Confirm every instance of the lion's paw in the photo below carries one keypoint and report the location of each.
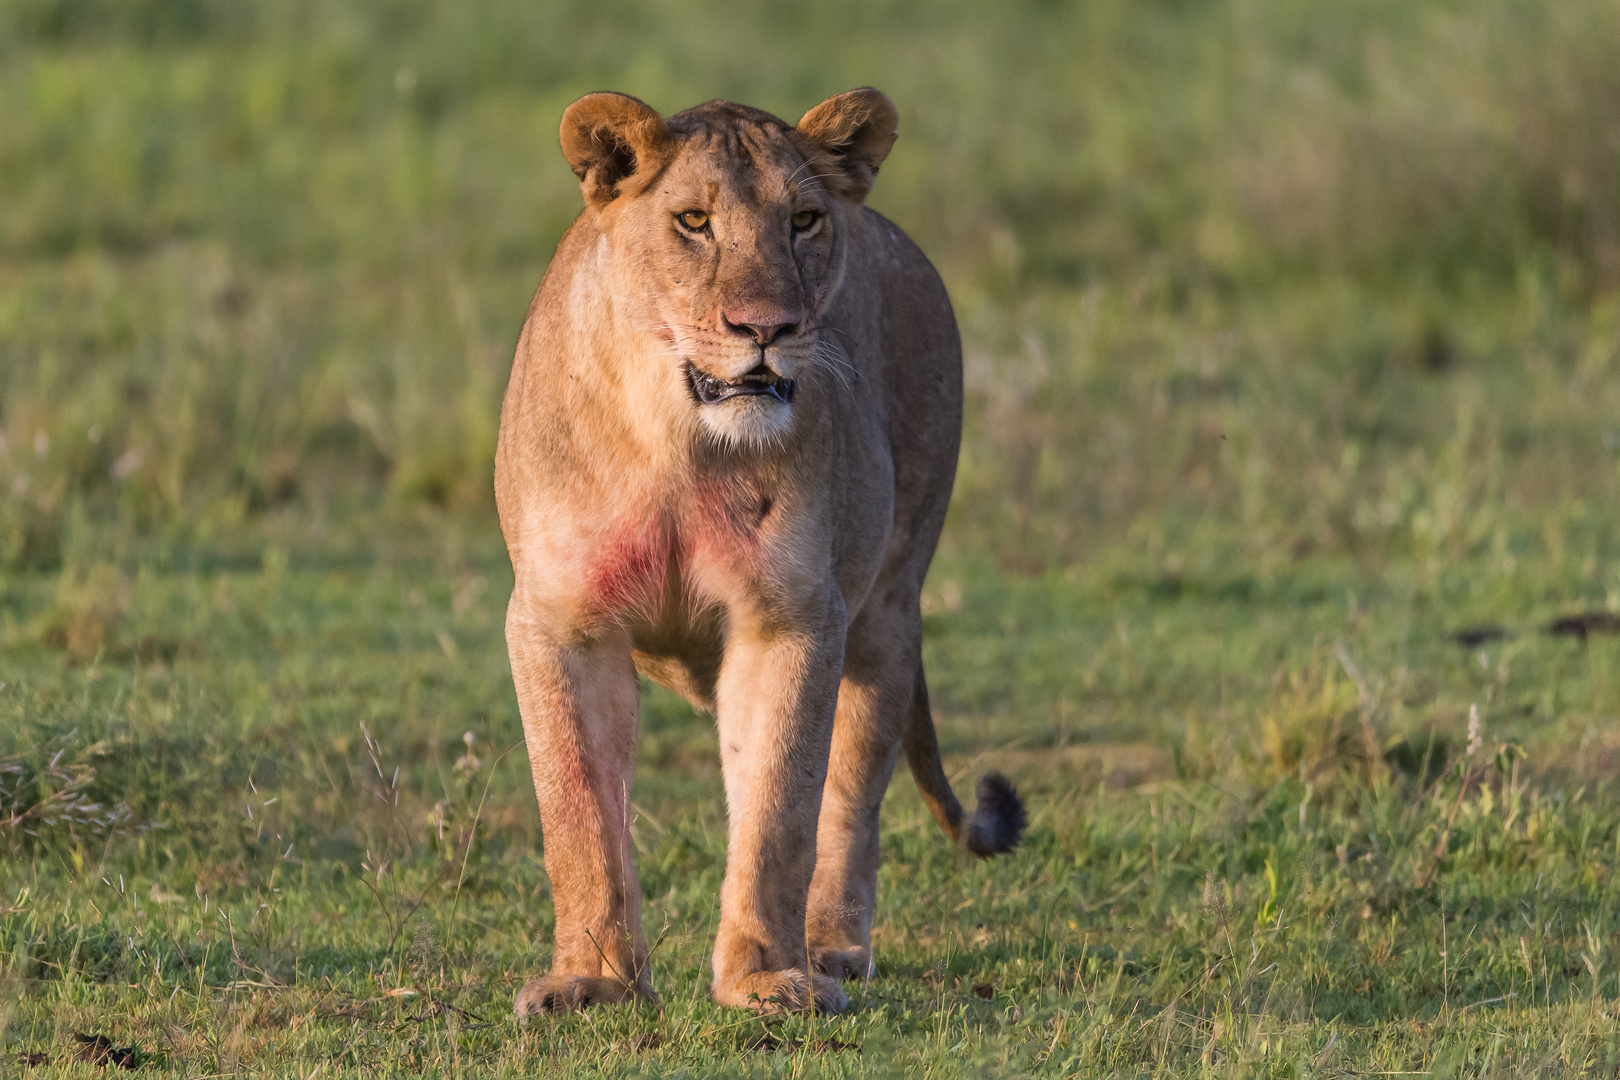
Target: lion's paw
(555, 995)
(838, 964)
(783, 991)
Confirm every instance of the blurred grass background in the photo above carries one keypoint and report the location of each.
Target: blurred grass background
(1293, 346)
(1239, 281)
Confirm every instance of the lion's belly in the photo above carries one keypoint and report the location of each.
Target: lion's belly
(691, 668)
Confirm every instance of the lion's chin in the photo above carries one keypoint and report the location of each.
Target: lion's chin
(752, 421)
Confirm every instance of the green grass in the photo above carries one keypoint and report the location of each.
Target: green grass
(1216, 878)
(1293, 348)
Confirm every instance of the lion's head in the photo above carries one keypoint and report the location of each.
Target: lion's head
(726, 233)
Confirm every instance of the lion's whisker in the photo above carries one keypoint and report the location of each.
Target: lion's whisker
(803, 165)
(823, 357)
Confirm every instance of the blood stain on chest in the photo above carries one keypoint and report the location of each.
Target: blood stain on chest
(632, 572)
(643, 565)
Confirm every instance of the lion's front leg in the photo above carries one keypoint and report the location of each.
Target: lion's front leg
(579, 707)
(776, 695)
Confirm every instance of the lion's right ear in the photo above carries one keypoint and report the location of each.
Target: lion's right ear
(609, 138)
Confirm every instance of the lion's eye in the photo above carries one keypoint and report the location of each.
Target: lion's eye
(804, 219)
(693, 219)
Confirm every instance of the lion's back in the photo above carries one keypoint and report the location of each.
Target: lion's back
(921, 353)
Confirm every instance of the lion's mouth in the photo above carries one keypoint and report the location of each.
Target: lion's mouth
(760, 382)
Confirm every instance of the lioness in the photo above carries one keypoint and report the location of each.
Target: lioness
(725, 455)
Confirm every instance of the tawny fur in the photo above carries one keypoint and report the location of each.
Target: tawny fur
(762, 558)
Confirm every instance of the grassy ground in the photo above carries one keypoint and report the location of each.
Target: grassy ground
(1292, 353)
(308, 862)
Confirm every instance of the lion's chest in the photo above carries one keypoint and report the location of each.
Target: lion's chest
(659, 561)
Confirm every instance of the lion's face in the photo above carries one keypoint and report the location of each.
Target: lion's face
(733, 252)
(726, 235)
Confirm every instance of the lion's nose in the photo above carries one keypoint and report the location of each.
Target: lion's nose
(763, 330)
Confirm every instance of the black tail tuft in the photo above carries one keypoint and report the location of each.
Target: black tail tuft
(999, 819)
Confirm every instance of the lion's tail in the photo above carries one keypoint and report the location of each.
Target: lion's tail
(998, 821)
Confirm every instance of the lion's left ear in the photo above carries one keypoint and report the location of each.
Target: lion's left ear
(856, 129)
